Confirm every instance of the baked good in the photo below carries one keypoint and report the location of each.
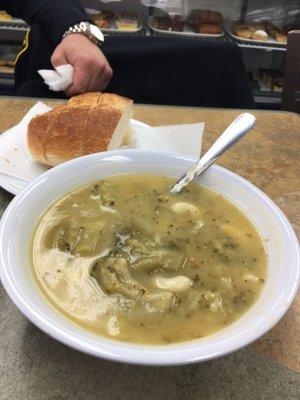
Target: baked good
(173, 23)
(271, 28)
(177, 23)
(205, 21)
(4, 16)
(103, 19)
(277, 85)
(88, 123)
(127, 21)
(243, 32)
(198, 17)
(250, 31)
(7, 66)
(280, 37)
(162, 23)
(260, 35)
(275, 32)
(210, 29)
(102, 23)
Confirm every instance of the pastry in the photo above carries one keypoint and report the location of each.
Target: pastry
(203, 17)
(280, 37)
(4, 16)
(103, 19)
(260, 35)
(277, 85)
(211, 29)
(102, 23)
(127, 21)
(88, 123)
(177, 23)
(243, 32)
(198, 17)
(250, 31)
(275, 32)
(162, 23)
(7, 66)
(168, 23)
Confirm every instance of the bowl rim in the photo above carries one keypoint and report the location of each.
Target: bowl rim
(109, 349)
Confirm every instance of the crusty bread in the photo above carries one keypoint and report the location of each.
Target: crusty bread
(88, 123)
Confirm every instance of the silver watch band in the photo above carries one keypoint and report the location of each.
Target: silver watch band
(92, 32)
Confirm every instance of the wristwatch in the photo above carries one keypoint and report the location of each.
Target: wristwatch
(91, 31)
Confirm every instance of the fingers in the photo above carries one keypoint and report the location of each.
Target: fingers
(101, 77)
(58, 57)
(81, 77)
(89, 76)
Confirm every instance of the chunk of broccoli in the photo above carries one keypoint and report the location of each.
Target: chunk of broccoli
(67, 236)
(104, 192)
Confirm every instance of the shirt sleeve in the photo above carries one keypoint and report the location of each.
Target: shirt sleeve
(55, 16)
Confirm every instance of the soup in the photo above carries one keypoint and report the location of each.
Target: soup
(126, 259)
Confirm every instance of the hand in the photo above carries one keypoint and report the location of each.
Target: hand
(92, 71)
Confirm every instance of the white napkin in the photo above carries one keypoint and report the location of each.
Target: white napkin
(15, 160)
(58, 79)
(184, 139)
(37, 109)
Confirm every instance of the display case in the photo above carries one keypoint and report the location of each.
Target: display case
(258, 27)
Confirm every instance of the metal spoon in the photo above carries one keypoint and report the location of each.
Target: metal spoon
(236, 130)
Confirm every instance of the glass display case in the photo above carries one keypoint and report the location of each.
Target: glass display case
(258, 27)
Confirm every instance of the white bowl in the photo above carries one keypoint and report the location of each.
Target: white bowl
(22, 214)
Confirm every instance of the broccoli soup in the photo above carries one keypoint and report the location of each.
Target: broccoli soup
(126, 259)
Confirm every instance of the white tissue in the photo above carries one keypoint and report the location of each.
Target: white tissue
(184, 139)
(58, 79)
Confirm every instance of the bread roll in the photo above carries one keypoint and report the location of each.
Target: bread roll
(88, 123)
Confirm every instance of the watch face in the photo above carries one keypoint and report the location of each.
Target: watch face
(97, 33)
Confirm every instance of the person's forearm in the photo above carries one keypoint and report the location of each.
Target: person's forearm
(54, 15)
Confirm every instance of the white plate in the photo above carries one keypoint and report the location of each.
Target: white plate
(17, 167)
(21, 216)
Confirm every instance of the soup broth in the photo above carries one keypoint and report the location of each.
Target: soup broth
(126, 259)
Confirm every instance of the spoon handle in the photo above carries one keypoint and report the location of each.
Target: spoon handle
(235, 131)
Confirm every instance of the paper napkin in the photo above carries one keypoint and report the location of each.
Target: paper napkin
(59, 78)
